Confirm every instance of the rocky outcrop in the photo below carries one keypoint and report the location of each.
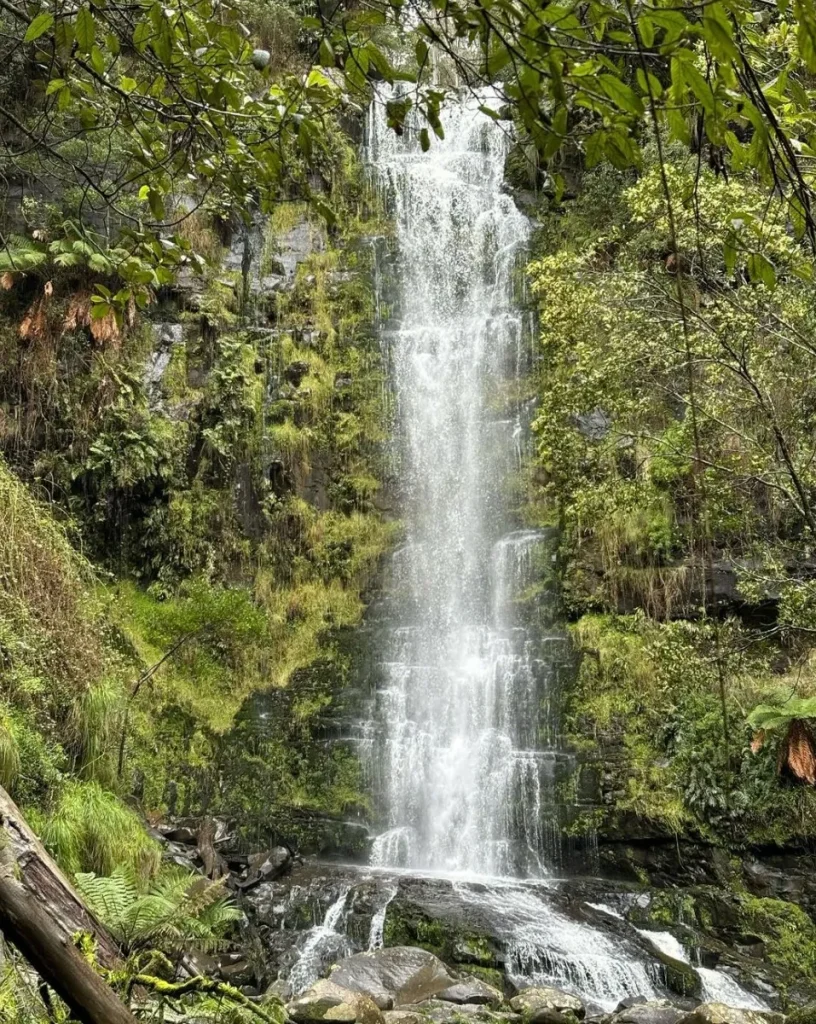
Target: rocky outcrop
(653, 1011)
(719, 1013)
(394, 977)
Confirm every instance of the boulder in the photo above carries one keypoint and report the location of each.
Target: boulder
(403, 1017)
(393, 977)
(719, 1013)
(327, 1001)
(657, 1011)
(267, 866)
(473, 992)
(678, 977)
(547, 1005)
(437, 1011)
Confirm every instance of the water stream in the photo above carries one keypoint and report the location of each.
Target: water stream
(461, 745)
(458, 719)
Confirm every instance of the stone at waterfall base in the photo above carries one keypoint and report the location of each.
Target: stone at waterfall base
(404, 1017)
(547, 1005)
(473, 992)
(719, 1013)
(326, 1001)
(652, 1011)
(393, 977)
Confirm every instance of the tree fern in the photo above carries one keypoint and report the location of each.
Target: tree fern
(179, 911)
(796, 717)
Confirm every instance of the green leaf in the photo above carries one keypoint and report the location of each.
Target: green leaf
(621, 94)
(762, 270)
(327, 57)
(54, 86)
(647, 30)
(97, 60)
(39, 26)
(85, 29)
(127, 84)
(425, 140)
(719, 34)
(141, 35)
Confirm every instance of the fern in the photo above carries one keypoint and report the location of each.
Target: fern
(21, 255)
(178, 911)
(109, 897)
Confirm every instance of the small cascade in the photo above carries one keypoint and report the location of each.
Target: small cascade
(324, 943)
(546, 947)
(375, 934)
(718, 987)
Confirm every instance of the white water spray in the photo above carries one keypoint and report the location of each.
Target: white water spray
(462, 775)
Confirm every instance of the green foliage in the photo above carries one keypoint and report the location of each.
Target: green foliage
(596, 80)
(649, 693)
(100, 80)
(776, 716)
(91, 830)
(177, 912)
(223, 640)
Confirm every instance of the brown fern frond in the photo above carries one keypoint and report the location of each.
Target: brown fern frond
(78, 313)
(33, 325)
(758, 742)
(105, 329)
(801, 754)
(6, 281)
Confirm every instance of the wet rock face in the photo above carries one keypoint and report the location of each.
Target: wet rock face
(393, 977)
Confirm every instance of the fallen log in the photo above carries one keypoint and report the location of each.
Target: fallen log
(41, 914)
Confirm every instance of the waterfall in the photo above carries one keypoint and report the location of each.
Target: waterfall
(458, 715)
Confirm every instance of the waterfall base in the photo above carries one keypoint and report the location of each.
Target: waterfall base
(570, 933)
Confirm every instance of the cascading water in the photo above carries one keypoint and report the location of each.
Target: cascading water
(458, 719)
(461, 743)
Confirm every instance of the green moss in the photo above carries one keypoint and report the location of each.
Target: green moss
(789, 935)
(489, 975)
(407, 926)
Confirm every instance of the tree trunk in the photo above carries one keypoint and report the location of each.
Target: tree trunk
(40, 912)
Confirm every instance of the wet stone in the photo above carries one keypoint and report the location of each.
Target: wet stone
(393, 977)
(327, 1001)
(538, 1005)
(404, 1017)
(472, 991)
(441, 1012)
(719, 1013)
(658, 1011)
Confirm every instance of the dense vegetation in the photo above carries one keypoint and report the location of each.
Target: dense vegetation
(193, 432)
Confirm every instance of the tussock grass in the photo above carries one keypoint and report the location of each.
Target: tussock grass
(48, 613)
(90, 830)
